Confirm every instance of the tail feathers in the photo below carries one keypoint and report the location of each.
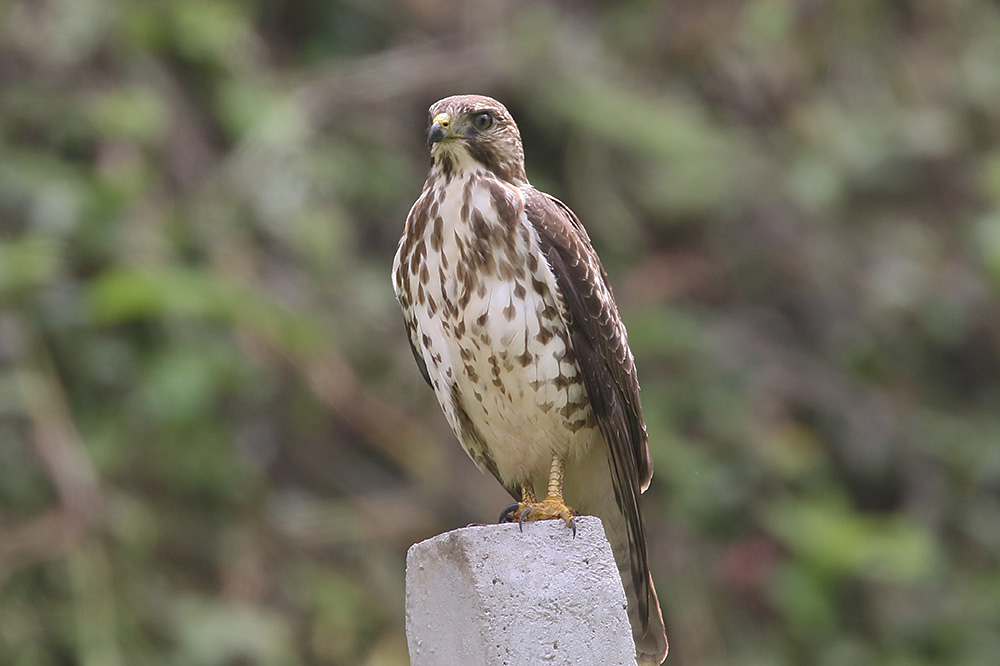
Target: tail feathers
(650, 645)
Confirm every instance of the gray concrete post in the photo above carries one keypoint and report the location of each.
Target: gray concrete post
(496, 596)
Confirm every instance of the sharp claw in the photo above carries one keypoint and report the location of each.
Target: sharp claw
(521, 512)
(507, 515)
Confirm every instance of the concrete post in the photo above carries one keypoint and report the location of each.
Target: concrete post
(495, 596)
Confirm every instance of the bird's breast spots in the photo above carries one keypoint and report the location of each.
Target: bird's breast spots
(533, 262)
(506, 202)
(437, 233)
(544, 335)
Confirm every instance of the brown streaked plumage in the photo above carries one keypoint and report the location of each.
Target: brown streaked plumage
(513, 324)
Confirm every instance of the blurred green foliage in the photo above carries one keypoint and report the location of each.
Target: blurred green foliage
(215, 447)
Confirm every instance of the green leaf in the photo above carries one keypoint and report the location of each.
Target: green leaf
(27, 263)
(128, 294)
(828, 534)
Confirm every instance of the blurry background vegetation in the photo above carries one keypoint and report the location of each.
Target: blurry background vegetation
(215, 447)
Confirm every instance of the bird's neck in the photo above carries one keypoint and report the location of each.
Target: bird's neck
(447, 166)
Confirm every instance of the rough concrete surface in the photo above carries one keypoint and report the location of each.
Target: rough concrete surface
(493, 595)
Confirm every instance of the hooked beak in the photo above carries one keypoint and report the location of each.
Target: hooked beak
(440, 129)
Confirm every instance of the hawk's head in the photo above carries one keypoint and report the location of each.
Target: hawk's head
(476, 127)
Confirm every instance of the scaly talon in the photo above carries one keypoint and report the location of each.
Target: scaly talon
(524, 514)
(548, 509)
(553, 506)
(509, 514)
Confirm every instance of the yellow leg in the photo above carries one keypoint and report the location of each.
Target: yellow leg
(553, 506)
(556, 472)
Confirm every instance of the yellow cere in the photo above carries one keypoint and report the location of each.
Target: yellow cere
(442, 119)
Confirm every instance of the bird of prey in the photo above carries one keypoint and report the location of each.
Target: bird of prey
(512, 322)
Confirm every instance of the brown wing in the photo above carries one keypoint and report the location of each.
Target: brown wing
(606, 362)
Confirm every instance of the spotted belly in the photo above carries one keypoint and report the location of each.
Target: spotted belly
(517, 380)
(501, 362)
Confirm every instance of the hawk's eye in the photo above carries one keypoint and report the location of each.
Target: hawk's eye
(482, 121)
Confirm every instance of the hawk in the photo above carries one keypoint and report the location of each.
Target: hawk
(512, 322)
